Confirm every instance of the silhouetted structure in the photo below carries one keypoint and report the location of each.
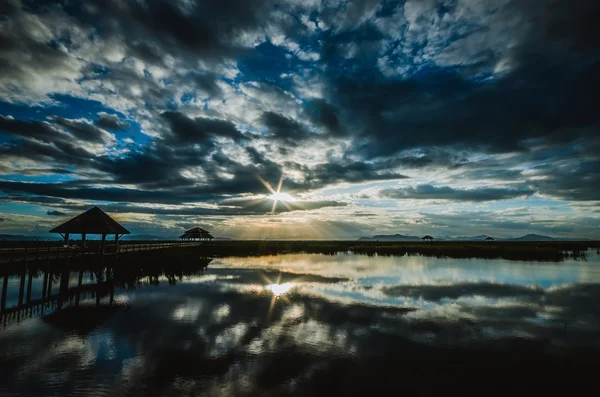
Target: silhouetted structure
(93, 221)
(489, 239)
(427, 238)
(196, 233)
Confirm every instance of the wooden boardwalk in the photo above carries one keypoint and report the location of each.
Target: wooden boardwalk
(53, 252)
(54, 295)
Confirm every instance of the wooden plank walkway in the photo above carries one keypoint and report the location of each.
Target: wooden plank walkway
(36, 253)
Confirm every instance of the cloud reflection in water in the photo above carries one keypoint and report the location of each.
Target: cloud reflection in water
(227, 331)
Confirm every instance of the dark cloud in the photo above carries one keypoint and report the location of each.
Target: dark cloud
(55, 213)
(324, 114)
(448, 193)
(284, 129)
(48, 133)
(497, 116)
(199, 130)
(357, 171)
(203, 28)
(577, 181)
(206, 82)
(83, 130)
(110, 122)
(38, 130)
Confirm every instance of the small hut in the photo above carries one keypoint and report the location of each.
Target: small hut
(489, 239)
(427, 238)
(93, 221)
(197, 233)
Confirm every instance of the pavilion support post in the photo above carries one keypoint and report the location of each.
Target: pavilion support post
(102, 243)
(83, 240)
(66, 238)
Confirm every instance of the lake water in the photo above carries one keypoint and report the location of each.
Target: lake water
(317, 325)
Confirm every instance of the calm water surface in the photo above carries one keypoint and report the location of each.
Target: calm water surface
(307, 324)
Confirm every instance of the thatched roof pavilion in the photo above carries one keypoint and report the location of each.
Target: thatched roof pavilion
(427, 238)
(489, 239)
(93, 221)
(196, 233)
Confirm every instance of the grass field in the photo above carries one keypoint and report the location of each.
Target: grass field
(527, 251)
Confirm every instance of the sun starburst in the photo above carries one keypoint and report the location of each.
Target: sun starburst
(277, 195)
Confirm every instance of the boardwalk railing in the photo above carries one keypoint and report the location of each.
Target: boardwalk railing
(40, 252)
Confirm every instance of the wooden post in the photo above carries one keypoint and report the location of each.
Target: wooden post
(4, 289)
(83, 241)
(22, 288)
(66, 238)
(29, 281)
(98, 278)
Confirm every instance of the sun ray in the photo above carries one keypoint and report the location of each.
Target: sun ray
(266, 184)
(280, 182)
(274, 206)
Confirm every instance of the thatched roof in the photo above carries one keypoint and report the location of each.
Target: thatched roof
(197, 232)
(427, 237)
(93, 221)
(489, 239)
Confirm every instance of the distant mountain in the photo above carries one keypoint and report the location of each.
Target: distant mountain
(480, 237)
(393, 237)
(532, 237)
(537, 237)
(20, 237)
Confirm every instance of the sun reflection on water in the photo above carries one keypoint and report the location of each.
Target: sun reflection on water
(279, 289)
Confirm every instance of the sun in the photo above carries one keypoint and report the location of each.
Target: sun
(278, 196)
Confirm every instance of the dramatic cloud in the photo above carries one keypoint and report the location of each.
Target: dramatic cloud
(353, 107)
(448, 193)
(55, 213)
(110, 122)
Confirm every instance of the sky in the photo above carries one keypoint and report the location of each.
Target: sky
(441, 117)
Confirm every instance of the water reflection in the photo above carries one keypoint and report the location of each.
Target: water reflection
(279, 289)
(311, 325)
